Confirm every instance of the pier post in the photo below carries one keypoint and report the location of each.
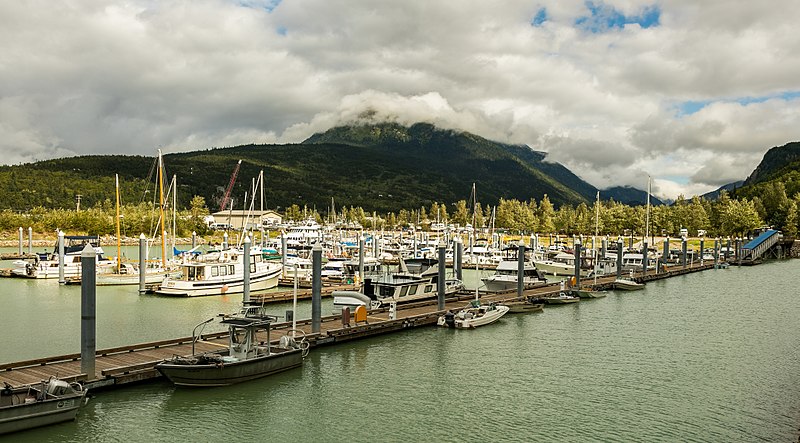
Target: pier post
(316, 287)
(684, 251)
(30, 240)
(665, 253)
(361, 259)
(630, 242)
(442, 282)
(263, 243)
(728, 250)
(194, 239)
(702, 250)
(644, 257)
(20, 241)
(604, 247)
(459, 256)
(577, 245)
(142, 263)
(88, 311)
(61, 279)
(415, 245)
(246, 269)
(520, 268)
(283, 251)
(716, 253)
(225, 240)
(619, 257)
(737, 251)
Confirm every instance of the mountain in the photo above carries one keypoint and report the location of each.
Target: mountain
(713, 195)
(382, 168)
(629, 195)
(778, 161)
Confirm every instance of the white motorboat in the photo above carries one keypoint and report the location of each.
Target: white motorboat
(475, 315)
(221, 272)
(562, 264)
(627, 284)
(505, 276)
(416, 280)
(46, 265)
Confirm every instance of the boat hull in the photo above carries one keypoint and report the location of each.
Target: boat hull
(226, 374)
(24, 416)
(519, 307)
(627, 285)
(220, 287)
(499, 284)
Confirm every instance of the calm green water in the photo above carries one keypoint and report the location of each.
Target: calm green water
(712, 356)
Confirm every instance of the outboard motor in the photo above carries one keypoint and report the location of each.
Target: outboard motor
(450, 319)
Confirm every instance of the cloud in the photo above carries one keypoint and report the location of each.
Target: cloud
(107, 77)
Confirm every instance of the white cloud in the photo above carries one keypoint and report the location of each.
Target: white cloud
(108, 77)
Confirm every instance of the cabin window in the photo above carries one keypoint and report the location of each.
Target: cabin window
(386, 291)
(428, 288)
(223, 270)
(231, 270)
(413, 290)
(252, 267)
(214, 271)
(403, 291)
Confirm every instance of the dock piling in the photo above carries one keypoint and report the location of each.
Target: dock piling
(194, 239)
(88, 310)
(142, 264)
(225, 240)
(441, 283)
(644, 257)
(520, 268)
(702, 250)
(316, 287)
(19, 252)
(30, 240)
(577, 246)
(61, 279)
(665, 253)
(684, 252)
(619, 257)
(458, 257)
(361, 258)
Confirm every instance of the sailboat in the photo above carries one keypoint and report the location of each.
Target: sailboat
(476, 314)
(629, 284)
(589, 293)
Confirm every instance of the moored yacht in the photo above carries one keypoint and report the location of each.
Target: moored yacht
(46, 265)
(221, 272)
(506, 273)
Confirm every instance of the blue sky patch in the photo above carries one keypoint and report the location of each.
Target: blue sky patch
(540, 18)
(604, 18)
(690, 107)
(267, 5)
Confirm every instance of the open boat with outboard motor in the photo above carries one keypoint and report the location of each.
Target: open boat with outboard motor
(246, 357)
(49, 402)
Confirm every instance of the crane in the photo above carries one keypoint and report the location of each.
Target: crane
(230, 187)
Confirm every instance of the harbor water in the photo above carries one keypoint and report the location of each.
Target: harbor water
(710, 356)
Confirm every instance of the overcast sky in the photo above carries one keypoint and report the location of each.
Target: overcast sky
(691, 92)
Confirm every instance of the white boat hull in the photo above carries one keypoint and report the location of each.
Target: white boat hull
(221, 286)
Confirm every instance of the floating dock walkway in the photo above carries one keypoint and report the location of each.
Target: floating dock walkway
(129, 364)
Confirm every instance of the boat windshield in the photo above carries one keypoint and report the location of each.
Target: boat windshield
(194, 273)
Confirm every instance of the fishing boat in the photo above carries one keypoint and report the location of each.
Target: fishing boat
(246, 357)
(475, 315)
(505, 275)
(52, 401)
(221, 272)
(529, 304)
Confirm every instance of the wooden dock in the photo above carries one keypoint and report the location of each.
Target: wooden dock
(134, 363)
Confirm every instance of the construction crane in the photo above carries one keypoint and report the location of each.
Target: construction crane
(230, 187)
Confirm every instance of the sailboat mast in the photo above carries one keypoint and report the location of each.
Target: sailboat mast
(161, 208)
(594, 239)
(647, 212)
(174, 209)
(475, 237)
(119, 244)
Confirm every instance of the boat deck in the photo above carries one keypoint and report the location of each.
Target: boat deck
(134, 363)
